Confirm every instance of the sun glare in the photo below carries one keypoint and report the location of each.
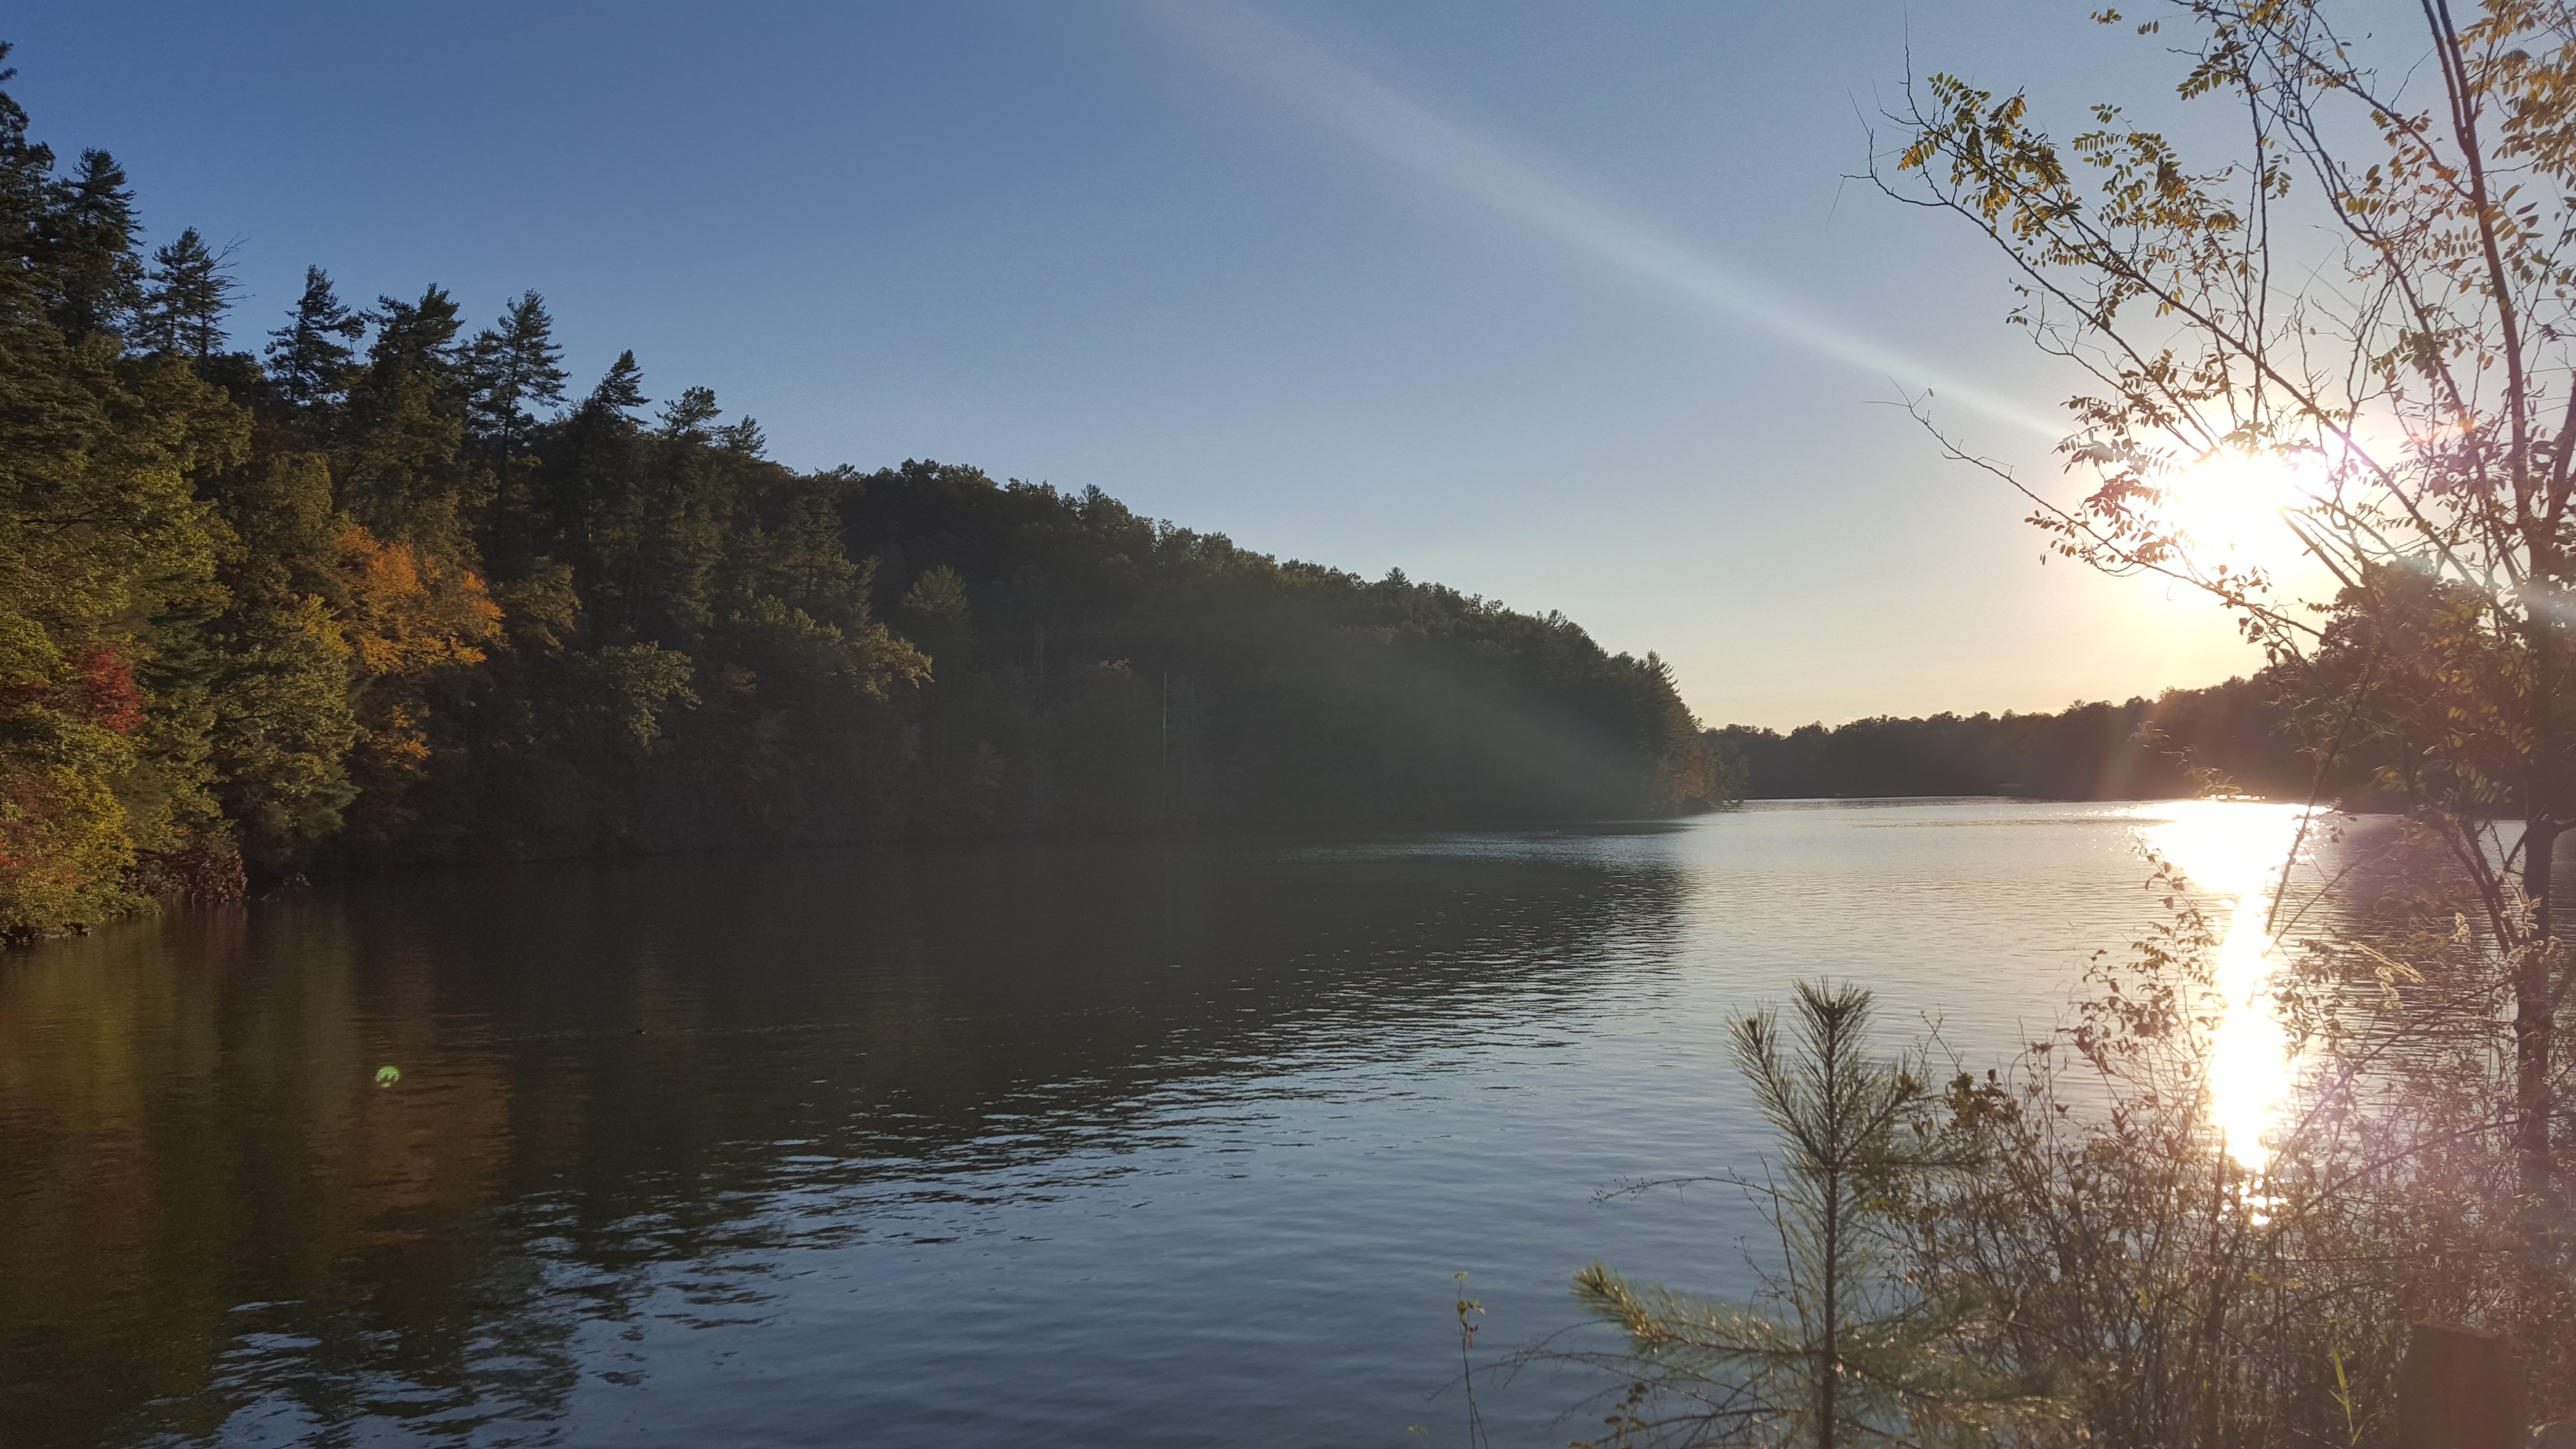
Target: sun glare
(2237, 852)
(2231, 507)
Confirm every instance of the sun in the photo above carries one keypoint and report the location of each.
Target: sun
(2233, 508)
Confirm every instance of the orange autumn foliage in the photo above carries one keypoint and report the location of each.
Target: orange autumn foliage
(409, 614)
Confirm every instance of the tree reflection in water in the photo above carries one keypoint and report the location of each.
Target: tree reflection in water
(217, 1225)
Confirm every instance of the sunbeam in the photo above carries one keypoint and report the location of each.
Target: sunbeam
(1376, 116)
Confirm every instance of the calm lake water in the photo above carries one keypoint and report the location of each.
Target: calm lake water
(1076, 1144)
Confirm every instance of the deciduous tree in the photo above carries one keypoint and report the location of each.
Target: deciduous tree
(2361, 314)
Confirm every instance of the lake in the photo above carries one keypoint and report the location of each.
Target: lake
(1076, 1143)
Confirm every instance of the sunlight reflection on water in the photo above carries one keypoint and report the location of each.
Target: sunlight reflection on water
(2239, 852)
(1138, 1143)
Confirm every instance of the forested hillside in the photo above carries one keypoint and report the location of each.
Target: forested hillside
(375, 585)
(2232, 737)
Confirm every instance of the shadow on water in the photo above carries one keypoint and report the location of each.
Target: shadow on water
(216, 1226)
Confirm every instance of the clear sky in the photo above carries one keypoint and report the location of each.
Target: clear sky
(1569, 306)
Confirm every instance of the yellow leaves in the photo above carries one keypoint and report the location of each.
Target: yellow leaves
(408, 614)
(1996, 163)
(2389, 973)
(65, 845)
(404, 617)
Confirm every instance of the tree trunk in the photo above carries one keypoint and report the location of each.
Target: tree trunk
(1828, 1380)
(2533, 1026)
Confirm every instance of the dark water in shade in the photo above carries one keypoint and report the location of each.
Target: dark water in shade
(1074, 1144)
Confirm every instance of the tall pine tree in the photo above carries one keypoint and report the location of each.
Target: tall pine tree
(184, 304)
(621, 390)
(403, 472)
(87, 237)
(513, 368)
(310, 358)
(25, 170)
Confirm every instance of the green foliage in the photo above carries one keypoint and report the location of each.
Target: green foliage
(284, 729)
(1846, 1348)
(107, 557)
(401, 466)
(310, 358)
(634, 686)
(84, 266)
(1205, 682)
(182, 311)
(512, 369)
(936, 600)
(382, 595)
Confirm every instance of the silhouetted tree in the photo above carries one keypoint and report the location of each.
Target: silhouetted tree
(186, 297)
(311, 358)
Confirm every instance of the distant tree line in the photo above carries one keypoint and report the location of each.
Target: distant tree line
(389, 589)
(2235, 737)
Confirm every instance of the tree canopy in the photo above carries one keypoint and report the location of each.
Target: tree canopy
(2230, 739)
(395, 589)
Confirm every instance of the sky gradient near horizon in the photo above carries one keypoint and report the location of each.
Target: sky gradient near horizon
(1565, 306)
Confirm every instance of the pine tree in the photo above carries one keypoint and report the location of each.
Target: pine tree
(106, 563)
(415, 337)
(310, 357)
(24, 169)
(402, 466)
(183, 309)
(513, 367)
(685, 418)
(583, 489)
(622, 390)
(1850, 1350)
(92, 279)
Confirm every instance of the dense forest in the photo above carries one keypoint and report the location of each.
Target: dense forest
(374, 585)
(2229, 738)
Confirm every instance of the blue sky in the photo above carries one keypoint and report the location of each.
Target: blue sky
(1569, 306)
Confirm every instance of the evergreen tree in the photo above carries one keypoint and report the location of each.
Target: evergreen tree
(659, 522)
(622, 389)
(310, 358)
(513, 368)
(590, 463)
(283, 695)
(404, 476)
(685, 418)
(106, 561)
(415, 337)
(93, 279)
(183, 308)
(271, 633)
(25, 167)
(1855, 1352)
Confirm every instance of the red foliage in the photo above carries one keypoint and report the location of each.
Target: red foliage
(105, 691)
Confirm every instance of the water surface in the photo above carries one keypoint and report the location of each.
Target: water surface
(1083, 1143)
